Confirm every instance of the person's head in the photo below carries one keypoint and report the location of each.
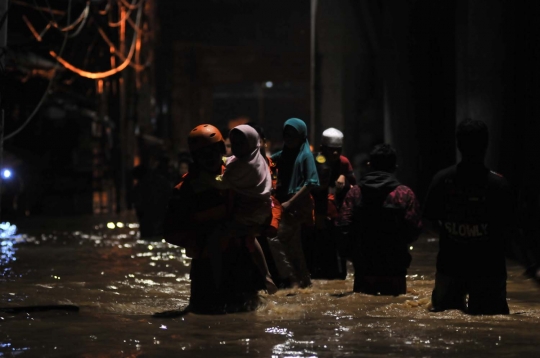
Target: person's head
(244, 140)
(331, 144)
(227, 141)
(472, 139)
(383, 158)
(294, 133)
(207, 147)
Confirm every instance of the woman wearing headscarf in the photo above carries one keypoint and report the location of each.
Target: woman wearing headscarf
(248, 175)
(297, 175)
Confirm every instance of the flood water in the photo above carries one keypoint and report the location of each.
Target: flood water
(118, 281)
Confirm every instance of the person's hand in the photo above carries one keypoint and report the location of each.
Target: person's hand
(340, 183)
(286, 206)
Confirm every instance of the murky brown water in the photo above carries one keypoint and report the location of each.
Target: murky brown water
(118, 281)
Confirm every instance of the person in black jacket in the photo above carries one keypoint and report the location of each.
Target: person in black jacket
(382, 218)
(474, 211)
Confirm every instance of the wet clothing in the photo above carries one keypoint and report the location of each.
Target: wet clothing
(290, 237)
(194, 212)
(380, 285)
(475, 212)
(322, 241)
(487, 295)
(381, 217)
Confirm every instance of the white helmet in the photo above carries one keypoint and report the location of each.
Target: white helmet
(332, 137)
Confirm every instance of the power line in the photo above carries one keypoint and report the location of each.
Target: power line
(45, 94)
(123, 19)
(132, 6)
(112, 71)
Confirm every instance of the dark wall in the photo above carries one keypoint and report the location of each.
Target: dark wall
(387, 73)
(519, 154)
(432, 46)
(210, 51)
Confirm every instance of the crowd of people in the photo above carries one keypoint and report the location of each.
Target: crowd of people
(252, 221)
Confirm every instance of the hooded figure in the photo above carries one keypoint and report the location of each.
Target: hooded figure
(385, 219)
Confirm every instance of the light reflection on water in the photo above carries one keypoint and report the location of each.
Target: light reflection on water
(118, 280)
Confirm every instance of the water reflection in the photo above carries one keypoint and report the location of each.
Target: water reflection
(8, 239)
(119, 280)
(294, 349)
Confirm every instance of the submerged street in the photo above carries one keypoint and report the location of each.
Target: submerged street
(118, 281)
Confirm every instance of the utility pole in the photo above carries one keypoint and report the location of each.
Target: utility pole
(3, 45)
(312, 69)
(122, 194)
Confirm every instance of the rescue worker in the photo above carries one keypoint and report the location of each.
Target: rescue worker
(195, 210)
(331, 149)
(382, 218)
(474, 211)
(321, 241)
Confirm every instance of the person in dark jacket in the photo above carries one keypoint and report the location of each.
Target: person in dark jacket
(382, 218)
(474, 210)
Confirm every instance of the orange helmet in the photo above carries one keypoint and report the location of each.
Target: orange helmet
(204, 135)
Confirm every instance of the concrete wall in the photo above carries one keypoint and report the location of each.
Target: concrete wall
(480, 57)
(348, 82)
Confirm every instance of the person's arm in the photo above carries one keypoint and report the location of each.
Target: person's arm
(413, 216)
(183, 226)
(346, 170)
(290, 204)
(345, 216)
(340, 183)
(309, 171)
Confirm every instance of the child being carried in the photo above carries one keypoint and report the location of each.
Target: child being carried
(248, 175)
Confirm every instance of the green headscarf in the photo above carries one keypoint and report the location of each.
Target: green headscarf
(304, 171)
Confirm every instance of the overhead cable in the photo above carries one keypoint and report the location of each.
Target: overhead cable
(127, 15)
(112, 71)
(46, 93)
(132, 6)
(136, 66)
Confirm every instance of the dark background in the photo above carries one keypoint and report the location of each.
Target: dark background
(404, 72)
